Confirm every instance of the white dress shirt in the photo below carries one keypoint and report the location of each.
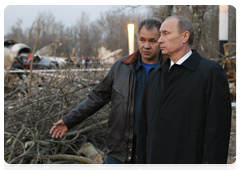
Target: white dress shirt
(179, 62)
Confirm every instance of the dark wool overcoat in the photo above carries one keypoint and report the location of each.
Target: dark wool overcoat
(186, 114)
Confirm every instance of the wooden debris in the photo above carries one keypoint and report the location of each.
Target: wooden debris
(28, 119)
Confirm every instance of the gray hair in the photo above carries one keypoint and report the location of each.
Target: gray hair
(149, 23)
(184, 24)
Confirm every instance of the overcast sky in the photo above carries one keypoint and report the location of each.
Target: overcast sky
(68, 14)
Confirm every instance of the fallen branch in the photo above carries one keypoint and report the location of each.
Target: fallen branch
(69, 157)
(91, 152)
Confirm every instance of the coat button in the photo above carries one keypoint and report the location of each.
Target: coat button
(129, 157)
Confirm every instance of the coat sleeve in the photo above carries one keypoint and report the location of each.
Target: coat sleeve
(142, 134)
(218, 120)
(97, 98)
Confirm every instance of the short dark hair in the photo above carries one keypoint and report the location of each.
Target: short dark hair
(184, 24)
(149, 24)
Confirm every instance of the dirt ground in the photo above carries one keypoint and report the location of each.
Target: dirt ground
(232, 142)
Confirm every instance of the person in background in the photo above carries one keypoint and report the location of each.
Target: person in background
(95, 62)
(83, 60)
(186, 108)
(18, 63)
(123, 86)
(87, 62)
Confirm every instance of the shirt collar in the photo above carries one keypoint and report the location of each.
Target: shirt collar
(184, 58)
(140, 64)
(191, 63)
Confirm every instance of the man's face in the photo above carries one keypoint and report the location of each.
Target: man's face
(148, 45)
(170, 39)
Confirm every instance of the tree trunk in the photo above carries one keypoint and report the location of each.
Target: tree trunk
(198, 14)
(167, 12)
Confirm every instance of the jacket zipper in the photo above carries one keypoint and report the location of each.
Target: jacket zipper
(130, 100)
(129, 110)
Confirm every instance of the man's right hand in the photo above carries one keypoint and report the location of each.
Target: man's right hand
(58, 128)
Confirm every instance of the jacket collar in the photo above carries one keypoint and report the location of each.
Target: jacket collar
(130, 59)
(191, 63)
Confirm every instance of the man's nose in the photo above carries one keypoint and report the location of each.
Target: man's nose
(146, 45)
(160, 40)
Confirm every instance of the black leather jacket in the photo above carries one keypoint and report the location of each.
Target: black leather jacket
(118, 87)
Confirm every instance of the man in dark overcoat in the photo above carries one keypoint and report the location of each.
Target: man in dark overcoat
(186, 108)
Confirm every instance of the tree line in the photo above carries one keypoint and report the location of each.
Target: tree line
(110, 29)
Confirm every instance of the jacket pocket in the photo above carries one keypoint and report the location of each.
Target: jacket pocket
(117, 116)
(118, 91)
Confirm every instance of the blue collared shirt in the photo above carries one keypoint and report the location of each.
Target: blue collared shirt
(141, 79)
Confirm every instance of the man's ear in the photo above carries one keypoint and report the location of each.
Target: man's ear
(185, 36)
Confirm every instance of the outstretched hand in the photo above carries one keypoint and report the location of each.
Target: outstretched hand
(58, 128)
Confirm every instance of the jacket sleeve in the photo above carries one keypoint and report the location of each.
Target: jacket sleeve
(218, 120)
(142, 134)
(97, 98)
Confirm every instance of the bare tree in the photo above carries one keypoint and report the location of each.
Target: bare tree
(16, 32)
(111, 28)
(167, 11)
(114, 28)
(70, 39)
(232, 27)
(34, 49)
(209, 37)
(96, 37)
(29, 34)
(83, 35)
(205, 21)
(198, 19)
(161, 12)
(46, 24)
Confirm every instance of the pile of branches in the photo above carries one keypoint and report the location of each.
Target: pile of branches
(28, 119)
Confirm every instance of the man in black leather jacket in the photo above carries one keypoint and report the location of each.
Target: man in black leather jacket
(123, 86)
